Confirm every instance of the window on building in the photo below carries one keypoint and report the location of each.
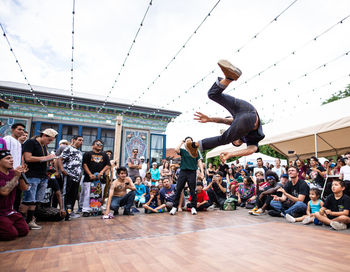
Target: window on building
(90, 135)
(157, 145)
(107, 136)
(68, 132)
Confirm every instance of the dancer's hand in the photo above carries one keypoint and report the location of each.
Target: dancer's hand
(201, 118)
(224, 156)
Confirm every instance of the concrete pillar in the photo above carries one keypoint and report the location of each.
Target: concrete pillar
(118, 139)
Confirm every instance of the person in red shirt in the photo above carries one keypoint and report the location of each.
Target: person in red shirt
(12, 223)
(202, 198)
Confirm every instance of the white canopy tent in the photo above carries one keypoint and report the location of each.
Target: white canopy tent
(324, 131)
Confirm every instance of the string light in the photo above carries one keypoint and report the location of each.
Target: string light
(21, 69)
(236, 51)
(177, 53)
(293, 53)
(274, 64)
(126, 58)
(72, 61)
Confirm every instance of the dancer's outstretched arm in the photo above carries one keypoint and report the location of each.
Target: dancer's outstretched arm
(245, 152)
(202, 118)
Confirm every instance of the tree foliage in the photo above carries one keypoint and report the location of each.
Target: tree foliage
(338, 95)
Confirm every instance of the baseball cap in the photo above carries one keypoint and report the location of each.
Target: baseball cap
(284, 176)
(50, 132)
(63, 141)
(142, 158)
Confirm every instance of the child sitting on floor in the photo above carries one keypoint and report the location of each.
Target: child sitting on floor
(140, 192)
(202, 198)
(335, 211)
(313, 206)
(154, 204)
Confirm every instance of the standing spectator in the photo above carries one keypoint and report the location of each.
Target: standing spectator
(345, 175)
(188, 171)
(12, 223)
(95, 164)
(278, 169)
(61, 146)
(260, 167)
(155, 174)
(144, 168)
(316, 172)
(23, 138)
(134, 164)
(165, 172)
(14, 145)
(210, 173)
(36, 156)
(70, 164)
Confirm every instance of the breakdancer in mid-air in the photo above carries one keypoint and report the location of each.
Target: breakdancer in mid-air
(245, 125)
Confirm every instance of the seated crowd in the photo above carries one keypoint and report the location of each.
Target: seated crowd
(38, 186)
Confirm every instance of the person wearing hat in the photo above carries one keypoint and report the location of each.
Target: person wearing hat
(144, 167)
(12, 223)
(37, 157)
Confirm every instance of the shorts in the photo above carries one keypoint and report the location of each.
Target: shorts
(36, 191)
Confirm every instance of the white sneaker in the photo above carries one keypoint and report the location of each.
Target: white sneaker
(193, 211)
(307, 220)
(74, 215)
(173, 211)
(33, 225)
(338, 226)
(290, 218)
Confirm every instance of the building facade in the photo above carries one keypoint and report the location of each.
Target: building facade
(142, 126)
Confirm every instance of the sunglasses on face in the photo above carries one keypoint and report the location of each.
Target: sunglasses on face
(99, 144)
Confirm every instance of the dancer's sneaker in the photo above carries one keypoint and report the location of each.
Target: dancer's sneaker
(231, 72)
(338, 226)
(193, 211)
(193, 151)
(173, 211)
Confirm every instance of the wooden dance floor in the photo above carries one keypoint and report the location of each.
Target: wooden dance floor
(211, 241)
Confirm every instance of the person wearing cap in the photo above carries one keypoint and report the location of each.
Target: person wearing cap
(12, 223)
(61, 146)
(144, 167)
(245, 125)
(37, 157)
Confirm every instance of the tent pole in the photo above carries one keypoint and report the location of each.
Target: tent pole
(316, 145)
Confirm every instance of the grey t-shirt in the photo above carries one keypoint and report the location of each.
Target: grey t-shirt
(133, 171)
